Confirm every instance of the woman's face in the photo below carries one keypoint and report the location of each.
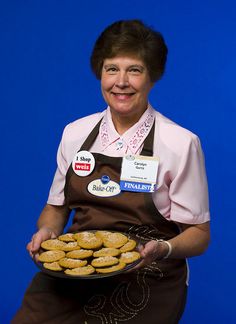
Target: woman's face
(125, 84)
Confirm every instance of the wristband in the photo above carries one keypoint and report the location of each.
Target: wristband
(169, 248)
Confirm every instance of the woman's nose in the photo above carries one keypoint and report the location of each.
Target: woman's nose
(122, 80)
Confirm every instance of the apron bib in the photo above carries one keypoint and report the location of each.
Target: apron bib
(155, 294)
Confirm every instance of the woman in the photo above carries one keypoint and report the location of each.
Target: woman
(120, 146)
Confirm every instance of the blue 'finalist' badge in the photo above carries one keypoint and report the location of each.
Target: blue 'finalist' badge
(137, 186)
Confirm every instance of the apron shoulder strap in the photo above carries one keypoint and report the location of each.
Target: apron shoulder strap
(91, 138)
(148, 143)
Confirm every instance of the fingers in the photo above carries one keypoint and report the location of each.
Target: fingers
(33, 253)
(149, 253)
(53, 235)
(36, 241)
(29, 248)
(150, 250)
(139, 265)
(34, 245)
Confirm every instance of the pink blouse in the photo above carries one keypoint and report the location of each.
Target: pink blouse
(182, 192)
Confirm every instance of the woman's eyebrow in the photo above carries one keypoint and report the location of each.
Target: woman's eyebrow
(109, 65)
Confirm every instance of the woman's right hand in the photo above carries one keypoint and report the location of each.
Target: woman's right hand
(43, 234)
(51, 223)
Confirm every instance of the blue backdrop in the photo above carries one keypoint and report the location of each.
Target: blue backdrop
(46, 82)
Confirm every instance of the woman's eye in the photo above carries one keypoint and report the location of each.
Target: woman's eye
(111, 69)
(135, 70)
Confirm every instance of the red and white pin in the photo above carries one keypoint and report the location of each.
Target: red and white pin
(83, 163)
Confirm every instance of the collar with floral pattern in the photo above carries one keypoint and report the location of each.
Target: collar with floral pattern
(133, 137)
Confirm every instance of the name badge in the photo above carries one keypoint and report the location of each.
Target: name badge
(139, 173)
(83, 163)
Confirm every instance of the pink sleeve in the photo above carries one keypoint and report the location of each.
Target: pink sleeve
(188, 191)
(56, 194)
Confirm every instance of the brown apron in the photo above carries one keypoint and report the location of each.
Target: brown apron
(155, 294)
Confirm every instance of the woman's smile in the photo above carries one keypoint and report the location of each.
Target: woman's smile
(122, 96)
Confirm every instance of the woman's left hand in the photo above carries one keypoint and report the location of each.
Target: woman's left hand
(192, 241)
(151, 251)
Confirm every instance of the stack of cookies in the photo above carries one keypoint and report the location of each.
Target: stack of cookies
(86, 253)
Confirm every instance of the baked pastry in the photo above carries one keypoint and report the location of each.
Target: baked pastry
(104, 261)
(53, 244)
(129, 246)
(68, 237)
(51, 256)
(54, 266)
(102, 234)
(71, 246)
(129, 257)
(106, 251)
(88, 240)
(84, 234)
(81, 271)
(72, 263)
(117, 267)
(114, 240)
(79, 254)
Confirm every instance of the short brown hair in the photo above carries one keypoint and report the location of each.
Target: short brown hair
(131, 37)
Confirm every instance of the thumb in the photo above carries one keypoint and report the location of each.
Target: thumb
(53, 235)
(36, 241)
